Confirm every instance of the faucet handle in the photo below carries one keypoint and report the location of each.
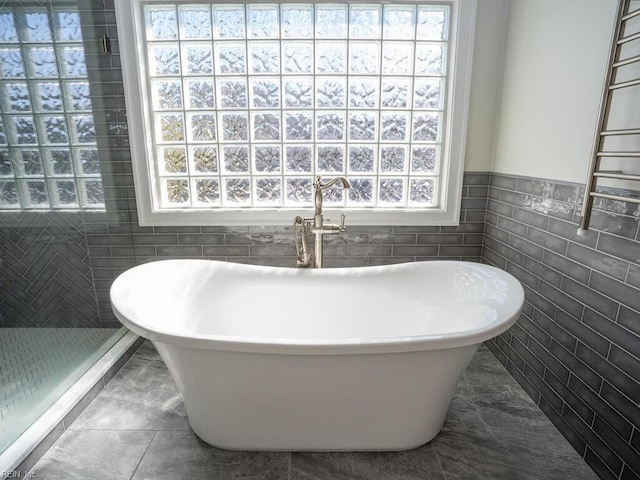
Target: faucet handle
(342, 227)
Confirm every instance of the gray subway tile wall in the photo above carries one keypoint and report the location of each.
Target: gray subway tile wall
(359, 246)
(576, 347)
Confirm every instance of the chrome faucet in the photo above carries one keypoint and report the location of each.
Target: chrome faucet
(302, 227)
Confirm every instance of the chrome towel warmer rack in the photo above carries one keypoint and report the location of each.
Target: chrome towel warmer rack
(623, 34)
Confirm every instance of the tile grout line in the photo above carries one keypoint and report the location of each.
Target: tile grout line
(143, 454)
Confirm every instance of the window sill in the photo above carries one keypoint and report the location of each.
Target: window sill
(265, 217)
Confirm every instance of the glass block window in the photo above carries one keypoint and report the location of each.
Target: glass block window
(48, 152)
(248, 103)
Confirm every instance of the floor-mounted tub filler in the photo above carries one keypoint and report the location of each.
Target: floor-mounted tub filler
(273, 358)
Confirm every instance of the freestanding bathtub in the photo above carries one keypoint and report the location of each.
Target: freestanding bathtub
(273, 358)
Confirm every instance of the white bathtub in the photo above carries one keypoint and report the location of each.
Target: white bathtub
(335, 359)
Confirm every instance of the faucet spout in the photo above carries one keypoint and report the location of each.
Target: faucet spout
(321, 186)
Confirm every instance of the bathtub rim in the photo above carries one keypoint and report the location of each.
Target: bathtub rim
(331, 346)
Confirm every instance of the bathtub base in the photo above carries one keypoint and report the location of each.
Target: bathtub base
(356, 402)
(316, 443)
(316, 446)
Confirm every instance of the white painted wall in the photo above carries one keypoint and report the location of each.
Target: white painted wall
(488, 56)
(555, 59)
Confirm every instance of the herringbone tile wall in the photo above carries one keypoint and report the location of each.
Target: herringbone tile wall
(45, 272)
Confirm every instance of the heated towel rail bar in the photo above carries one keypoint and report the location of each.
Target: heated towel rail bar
(621, 36)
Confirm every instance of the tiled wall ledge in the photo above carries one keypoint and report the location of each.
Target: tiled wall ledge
(576, 347)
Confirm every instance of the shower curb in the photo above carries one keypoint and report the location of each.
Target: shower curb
(24, 453)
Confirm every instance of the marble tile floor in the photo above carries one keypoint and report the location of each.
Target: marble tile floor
(136, 428)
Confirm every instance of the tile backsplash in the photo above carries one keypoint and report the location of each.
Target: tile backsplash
(576, 346)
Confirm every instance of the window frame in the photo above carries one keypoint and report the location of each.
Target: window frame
(130, 20)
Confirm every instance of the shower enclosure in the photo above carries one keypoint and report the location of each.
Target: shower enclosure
(62, 190)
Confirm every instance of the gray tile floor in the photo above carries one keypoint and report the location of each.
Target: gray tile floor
(136, 428)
